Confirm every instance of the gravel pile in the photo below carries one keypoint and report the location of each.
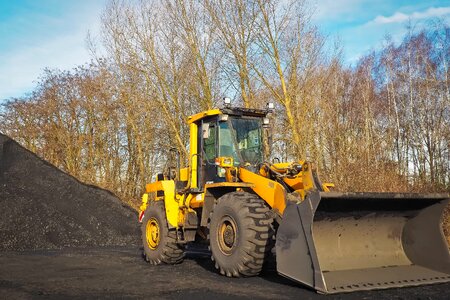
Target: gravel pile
(42, 207)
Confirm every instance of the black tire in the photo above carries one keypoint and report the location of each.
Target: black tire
(240, 233)
(161, 247)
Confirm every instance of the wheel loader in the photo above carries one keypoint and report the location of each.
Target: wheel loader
(248, 209)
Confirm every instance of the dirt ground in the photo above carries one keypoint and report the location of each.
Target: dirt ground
(121, 273)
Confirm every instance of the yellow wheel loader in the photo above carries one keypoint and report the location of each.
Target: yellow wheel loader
(231, 197)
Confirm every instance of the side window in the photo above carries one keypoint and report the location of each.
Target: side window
(209, 144)
(226, 144)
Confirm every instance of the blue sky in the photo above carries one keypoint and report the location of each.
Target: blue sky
(362, 25)
(35, 34)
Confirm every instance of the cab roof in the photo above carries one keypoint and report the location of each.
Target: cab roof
(237, 111)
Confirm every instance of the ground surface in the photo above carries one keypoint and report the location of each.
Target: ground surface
(122, 273)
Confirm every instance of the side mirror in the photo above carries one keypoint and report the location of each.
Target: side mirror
(172, 171)
(268, 140)
(205, 130)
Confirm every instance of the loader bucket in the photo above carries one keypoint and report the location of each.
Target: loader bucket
(343, 242)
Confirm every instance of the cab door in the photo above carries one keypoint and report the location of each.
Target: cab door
(208, 145)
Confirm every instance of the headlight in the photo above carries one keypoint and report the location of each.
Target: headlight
(224, 161)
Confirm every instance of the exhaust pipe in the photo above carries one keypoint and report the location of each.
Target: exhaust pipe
(343, 242)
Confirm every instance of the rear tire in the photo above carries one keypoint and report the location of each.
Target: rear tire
(241, 234)
(159, 242)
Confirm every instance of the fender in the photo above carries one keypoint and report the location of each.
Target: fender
(270, 191)
(170, 202)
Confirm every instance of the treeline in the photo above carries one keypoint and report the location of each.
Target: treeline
(382, 125)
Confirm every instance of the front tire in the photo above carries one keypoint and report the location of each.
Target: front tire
(241, 234)
(159, 242)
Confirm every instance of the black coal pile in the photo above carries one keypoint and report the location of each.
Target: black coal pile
(42, 207)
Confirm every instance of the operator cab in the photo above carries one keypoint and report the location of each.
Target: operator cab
(234, 133)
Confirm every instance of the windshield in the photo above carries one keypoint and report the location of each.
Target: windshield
(245, 136)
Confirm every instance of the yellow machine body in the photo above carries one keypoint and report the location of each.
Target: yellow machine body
(332, 242)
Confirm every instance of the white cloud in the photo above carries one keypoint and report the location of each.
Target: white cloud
(360, 40)
(399, 17)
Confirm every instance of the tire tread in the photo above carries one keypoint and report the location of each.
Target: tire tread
(171, 252)
(259, 234)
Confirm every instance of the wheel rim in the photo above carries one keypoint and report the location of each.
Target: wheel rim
(227, 235)
(152, 233)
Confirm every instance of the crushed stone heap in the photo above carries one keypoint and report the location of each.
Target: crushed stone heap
(42, 207)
